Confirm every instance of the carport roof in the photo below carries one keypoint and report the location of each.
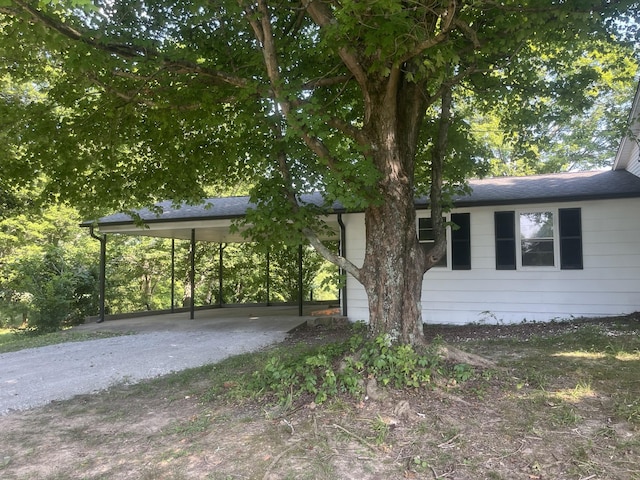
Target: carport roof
(215, 215)
(224, 208)
(211, 220)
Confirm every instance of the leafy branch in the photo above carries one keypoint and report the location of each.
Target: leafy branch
(128, 51)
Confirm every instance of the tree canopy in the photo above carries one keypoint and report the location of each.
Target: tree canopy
(367, 101)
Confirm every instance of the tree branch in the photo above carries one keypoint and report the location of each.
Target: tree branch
(338, 260)
(448, 18)
(126, 51)
(264, 33)
(183, 66)
(437, 166)
(269, 52)
(134, 97)
(326, 82)
(455, 80)
(129, 51)
(309, 234)
(468, 32)
(128, 97)
(349, 130)
(322, 16)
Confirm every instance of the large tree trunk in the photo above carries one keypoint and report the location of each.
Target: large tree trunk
(395, 261)
(393, 270)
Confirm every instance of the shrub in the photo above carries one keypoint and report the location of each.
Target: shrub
(53, 290)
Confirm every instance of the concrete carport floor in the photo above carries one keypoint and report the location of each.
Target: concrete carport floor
(281, 318)
(160, 344)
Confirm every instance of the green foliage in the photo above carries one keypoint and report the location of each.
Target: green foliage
(342, 368)
(381, 429)
(564, 415)
(462, 372)
(291, 375)
(54, 290)
(48, 274)
(628, 407)
(397, 365)
(138, 266)
(126, 103)
(560, 131)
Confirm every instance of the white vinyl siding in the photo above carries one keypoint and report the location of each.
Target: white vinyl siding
(634, 160)
(608, 284)
(357, 305)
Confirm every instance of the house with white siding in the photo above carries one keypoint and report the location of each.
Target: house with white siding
(536, 248)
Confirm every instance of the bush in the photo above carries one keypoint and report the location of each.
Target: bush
(53, 291)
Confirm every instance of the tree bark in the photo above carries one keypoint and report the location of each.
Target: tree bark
(395, 262)
(393, 270)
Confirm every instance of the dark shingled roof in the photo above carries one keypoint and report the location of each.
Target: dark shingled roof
(211, 209)
(557, 187)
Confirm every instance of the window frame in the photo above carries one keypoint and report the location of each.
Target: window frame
(555, 243)
(447, 232)
(567, 240)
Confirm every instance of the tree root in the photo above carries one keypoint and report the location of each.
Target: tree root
(456, 355)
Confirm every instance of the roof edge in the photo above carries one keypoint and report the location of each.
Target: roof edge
(621, 161)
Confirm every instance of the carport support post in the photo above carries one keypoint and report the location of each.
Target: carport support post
(220, 274)
(268, 277)
(192, 274)
(300, 296)
(103, 276)
(173, 273)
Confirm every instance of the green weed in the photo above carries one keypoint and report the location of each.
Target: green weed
(628, 408)
(341, 367)
(564, 415)
(193, 426)
(462, 372)
(381, 430)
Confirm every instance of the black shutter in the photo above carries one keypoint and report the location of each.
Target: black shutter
(570, 220)
(461, 241)
(505, 225)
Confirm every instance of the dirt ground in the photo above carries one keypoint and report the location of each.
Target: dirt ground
(573, 416)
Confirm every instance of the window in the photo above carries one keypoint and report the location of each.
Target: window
(537, 237)
(426, 236)
(460, 240)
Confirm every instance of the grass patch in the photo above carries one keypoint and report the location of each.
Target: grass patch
(14, 340)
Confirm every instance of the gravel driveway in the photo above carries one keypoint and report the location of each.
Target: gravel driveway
(34, 377)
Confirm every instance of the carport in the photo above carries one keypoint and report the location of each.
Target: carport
(210, 221)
